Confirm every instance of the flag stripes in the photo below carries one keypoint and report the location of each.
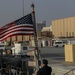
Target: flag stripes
(22, 26)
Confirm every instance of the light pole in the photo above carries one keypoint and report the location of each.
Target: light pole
(23, 15)
(23, 7)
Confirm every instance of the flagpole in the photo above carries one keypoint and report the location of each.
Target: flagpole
(23, 15)
(35, 37)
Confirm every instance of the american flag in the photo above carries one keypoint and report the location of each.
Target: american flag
(22, 26)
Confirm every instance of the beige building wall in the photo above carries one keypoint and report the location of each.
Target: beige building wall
(8, 39)
(53, 31)
(69, 27)
(55, 27)
(64, 27)
(61, 28)
(58, 27)
(13, 38)
(74, 26)
(19, 38)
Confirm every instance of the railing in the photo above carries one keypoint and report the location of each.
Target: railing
(71, 72)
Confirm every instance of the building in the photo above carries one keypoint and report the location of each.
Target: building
(41, 25)
(18, 38)
(64, 27)
(46, 32)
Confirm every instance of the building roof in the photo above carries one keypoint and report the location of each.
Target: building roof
(47, 28)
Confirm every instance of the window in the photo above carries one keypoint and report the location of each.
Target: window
(72, 34)
(67, 34)
(58, 42)
(61, 34)
(64, 42)
(1, 45)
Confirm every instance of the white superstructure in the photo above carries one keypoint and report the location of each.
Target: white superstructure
(2, 46)
(20, 49)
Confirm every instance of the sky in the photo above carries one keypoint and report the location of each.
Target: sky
(45, 10)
